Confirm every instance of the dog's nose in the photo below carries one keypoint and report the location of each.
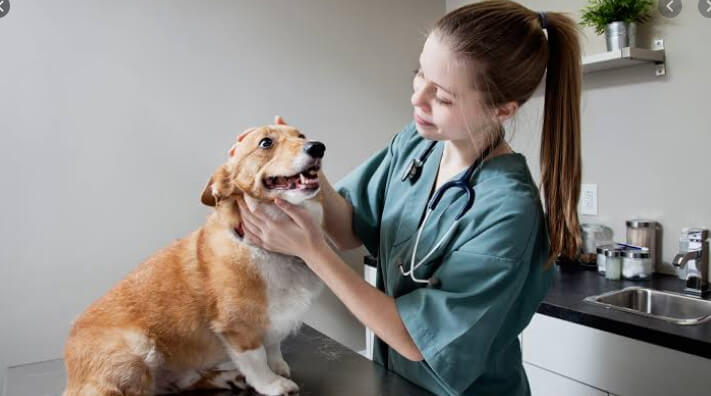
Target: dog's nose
(315, 149)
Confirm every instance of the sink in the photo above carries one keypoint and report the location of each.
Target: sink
(672, 307)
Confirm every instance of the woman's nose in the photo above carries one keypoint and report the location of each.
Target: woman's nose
(419, 99)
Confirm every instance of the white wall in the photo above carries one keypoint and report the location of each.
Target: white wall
(114, 113)
(645, 139)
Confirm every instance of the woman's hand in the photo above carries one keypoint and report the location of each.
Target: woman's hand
(297, 234)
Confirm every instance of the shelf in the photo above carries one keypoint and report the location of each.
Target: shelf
(625, 57)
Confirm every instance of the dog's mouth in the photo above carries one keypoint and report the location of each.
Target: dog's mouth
(306, 180)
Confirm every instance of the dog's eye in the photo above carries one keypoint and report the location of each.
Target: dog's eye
(302, 136)
(265, 143)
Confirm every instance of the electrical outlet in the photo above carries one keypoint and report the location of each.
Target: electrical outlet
(588, 199)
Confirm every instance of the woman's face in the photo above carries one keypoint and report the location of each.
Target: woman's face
(446, 106)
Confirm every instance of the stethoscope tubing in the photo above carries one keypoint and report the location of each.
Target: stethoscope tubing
(412, 172)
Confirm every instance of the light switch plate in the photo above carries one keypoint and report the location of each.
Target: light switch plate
(588, 199)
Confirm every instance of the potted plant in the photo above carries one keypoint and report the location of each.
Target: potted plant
(618, 19)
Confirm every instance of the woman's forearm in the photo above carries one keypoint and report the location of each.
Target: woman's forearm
(373, 308)
(338, 217)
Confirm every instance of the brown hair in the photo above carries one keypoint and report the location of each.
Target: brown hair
(507, 41)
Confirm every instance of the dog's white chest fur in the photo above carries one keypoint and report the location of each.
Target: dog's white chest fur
(291, 285)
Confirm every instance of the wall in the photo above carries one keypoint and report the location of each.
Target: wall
(114, 114)
(645, 139)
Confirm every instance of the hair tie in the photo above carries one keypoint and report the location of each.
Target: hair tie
(542, 18)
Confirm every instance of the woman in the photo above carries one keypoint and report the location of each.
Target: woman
(457, 334)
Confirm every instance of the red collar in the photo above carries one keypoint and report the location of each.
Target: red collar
(239, 230)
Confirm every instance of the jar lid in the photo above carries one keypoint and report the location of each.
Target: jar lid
(641, 223)
(629, 253)
(603, 248)
(613, 253)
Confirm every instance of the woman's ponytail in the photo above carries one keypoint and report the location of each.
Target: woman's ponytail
(560, 138)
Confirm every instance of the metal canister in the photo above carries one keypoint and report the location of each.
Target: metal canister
(643, 233)
(620, 35)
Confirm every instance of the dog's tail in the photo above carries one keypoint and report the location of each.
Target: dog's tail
(109, 362)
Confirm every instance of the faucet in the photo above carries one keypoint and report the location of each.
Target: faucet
(694, 254)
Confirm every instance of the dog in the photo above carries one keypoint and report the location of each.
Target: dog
(212, 296)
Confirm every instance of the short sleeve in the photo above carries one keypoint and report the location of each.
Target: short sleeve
(364, 188)
(455, 329)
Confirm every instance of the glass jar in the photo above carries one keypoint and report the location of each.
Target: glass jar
(636, 264)
(643, 233)
(593, 235)
(601, 257)
(613, 264)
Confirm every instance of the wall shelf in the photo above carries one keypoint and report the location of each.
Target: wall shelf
(625, 57)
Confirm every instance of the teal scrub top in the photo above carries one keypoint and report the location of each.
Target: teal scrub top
(490, 269)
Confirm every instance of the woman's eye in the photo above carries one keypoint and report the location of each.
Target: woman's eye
(442, 101)
(265, 143)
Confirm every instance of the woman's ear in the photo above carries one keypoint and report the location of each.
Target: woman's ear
(218, 187)
(506, 111)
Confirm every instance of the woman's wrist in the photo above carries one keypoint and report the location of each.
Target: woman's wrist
(316, 253)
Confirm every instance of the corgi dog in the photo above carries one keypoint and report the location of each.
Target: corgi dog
(212, 296)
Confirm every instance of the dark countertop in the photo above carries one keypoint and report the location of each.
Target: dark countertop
(573, 283)
(319, 365)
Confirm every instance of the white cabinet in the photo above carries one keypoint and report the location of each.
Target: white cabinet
(370, 275)
(615, 364)
(546, 383)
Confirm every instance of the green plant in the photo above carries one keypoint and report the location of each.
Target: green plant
(599, 13)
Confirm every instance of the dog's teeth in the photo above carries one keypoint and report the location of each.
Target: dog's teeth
(302, 178)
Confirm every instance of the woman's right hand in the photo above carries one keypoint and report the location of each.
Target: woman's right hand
(337, 212)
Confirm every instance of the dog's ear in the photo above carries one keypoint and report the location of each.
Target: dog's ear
(218, 187)
(279, 121)
(207, 198)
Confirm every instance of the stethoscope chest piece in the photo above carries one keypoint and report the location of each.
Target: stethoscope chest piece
(433, 283)
(413, 171)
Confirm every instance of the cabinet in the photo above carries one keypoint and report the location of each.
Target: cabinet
(609, 362)
(546, 383)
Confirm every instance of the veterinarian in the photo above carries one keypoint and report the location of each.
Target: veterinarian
(455, 333)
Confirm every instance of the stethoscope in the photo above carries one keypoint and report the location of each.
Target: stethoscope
(412, 172)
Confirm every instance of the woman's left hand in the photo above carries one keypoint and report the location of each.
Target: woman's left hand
(296, 234)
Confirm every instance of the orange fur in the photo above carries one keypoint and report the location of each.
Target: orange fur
(167, 313)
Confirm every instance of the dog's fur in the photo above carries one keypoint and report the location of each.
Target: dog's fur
(208, 297)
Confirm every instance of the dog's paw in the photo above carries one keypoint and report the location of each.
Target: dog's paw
(280, 367)
(280, 386)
